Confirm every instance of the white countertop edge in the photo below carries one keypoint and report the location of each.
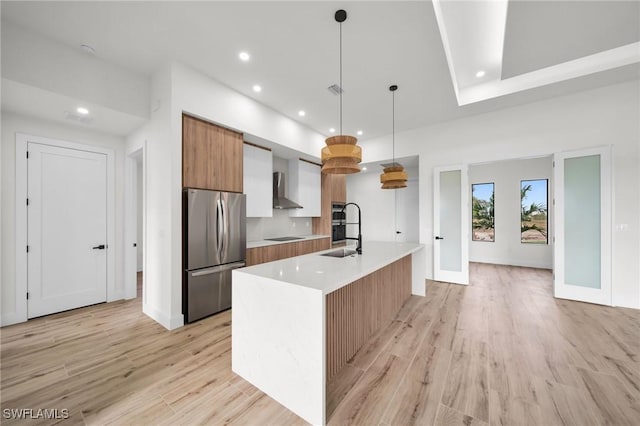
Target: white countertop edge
(264, 243)
(330, 286)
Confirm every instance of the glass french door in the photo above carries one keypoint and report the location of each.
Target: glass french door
(582, 252)
(451, 224)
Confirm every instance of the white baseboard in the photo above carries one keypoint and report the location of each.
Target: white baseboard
(524, 264)
(115, 297)
(625, 304)
(170, 323)
(12, 318)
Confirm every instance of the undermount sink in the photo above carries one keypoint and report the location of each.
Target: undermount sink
(344, 252)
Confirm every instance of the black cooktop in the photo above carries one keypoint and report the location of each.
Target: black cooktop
(284, 238)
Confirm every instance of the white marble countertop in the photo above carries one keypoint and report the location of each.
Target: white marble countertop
(264, 243)
(327, 273)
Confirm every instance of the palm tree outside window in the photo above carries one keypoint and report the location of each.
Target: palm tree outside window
(534, 220)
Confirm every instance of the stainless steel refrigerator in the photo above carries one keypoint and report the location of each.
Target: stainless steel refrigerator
(214, 243)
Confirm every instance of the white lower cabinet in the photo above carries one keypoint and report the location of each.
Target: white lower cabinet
(304, 188)
(258, 181)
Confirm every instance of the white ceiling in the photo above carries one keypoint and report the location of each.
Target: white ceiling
(294, 48)
(550, 40)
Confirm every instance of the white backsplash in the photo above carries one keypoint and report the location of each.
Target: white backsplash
(280, 225)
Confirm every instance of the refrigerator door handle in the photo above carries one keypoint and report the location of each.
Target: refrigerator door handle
(225, 226)
(217, 269)
(219, 227)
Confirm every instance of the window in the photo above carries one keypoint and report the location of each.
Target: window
(534, 220)
(482, 212)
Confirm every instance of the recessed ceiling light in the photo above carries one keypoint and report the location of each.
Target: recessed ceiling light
(364, 169)
(257, 88)
(83, 111)
(244, 56)
(332, 130)
(359, 132)
(480, 74)
(301, 113)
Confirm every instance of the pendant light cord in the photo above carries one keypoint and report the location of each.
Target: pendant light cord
(393, 125)
(341, 90)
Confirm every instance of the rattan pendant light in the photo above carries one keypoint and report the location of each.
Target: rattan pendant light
(341, 155)
(394, 176)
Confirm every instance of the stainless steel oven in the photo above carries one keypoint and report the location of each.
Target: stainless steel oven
(338, 223)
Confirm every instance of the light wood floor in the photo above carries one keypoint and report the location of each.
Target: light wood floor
(500, 351)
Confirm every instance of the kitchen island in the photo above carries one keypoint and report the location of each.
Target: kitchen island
(296, 322)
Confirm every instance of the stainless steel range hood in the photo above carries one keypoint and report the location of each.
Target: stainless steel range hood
(279, 200)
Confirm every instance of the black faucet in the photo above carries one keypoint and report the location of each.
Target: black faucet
(359, 239)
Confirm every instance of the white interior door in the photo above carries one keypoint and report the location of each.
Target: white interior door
(582, 254)
(67, 229)
(451, 224)
(407, 210)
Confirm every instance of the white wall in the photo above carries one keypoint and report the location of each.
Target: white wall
(160, 165)
(507, 248)
(37, 61)
(12, 124)
(176, 89)
(139, 213)
(603, 116)
(380, 206)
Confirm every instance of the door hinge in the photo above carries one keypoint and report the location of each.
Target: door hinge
(554, 240)
(27, 249)
(27, 201)
(27, 295)
(554, 163)
(27, 154)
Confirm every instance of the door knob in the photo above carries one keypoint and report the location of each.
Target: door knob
(398, 232)
(100, 247)
(439, 238)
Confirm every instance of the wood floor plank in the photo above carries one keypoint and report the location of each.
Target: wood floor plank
(508, 410)
(262, 411)
(467, 387)
(340, 386)
(405, 341)
(368, 400)
(416, 400)
(561, 404)
(611, 401)
(290, 419)
(448, 416)
(244, 386)
(374, 346)
(501, 350)
(413, 303)
(218, 406)
(141, 406)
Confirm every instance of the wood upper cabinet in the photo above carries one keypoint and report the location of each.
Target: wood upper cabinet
(339, 188)
(334, 189)
(211, 156)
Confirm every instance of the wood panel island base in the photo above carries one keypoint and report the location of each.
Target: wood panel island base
(297, 322)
